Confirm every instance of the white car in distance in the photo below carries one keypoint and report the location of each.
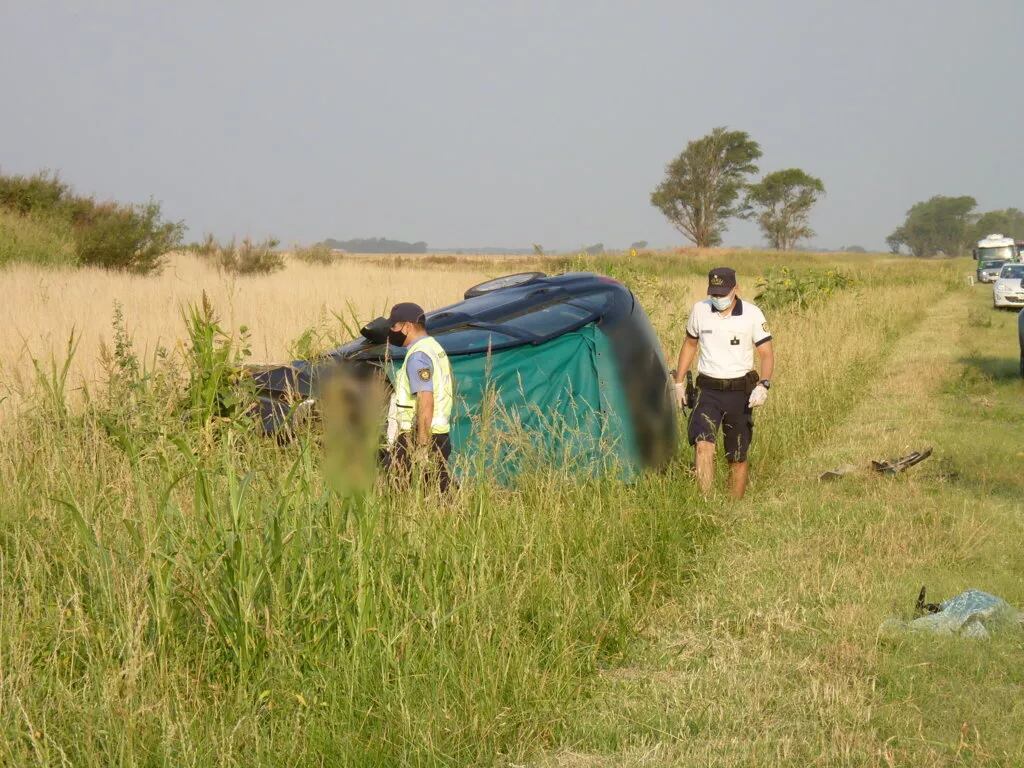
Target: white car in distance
(1008, 290)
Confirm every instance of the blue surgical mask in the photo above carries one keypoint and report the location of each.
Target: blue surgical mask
(721, 303)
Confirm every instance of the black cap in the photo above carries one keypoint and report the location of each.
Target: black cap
(721, 280)
(406, 312)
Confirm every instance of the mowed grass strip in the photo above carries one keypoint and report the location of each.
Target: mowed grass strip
(773, 656)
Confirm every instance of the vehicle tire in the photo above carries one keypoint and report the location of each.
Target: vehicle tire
(507, 281)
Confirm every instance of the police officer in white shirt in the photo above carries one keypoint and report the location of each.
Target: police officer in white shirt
(722, 333)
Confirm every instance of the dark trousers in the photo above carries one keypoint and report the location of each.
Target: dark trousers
(398, 461)
(729, 411)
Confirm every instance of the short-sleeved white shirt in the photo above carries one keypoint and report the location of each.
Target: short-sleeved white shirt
(726, 343)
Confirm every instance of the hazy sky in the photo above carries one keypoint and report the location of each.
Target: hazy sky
(508, 123)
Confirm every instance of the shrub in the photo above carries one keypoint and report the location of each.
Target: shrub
(40, 193)
(317, 254)
(130, 238)
(246, 258)
(780, 288)
(67, 228)
(207, 248)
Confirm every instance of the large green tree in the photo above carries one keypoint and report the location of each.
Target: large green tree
(938, 225)
(1009, 222)
(702, 186)
(782, 202)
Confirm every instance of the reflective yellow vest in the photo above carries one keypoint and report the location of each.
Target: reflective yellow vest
(403, 401)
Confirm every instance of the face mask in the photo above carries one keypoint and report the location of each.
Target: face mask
(721, 303)
(396, 338)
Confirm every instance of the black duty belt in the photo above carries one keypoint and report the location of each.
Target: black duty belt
(741, 384)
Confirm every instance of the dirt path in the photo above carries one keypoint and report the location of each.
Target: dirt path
(772, 656)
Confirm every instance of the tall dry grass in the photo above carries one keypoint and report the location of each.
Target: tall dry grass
(42, 307)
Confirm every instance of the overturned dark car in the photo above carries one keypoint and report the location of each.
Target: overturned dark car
(569, 363)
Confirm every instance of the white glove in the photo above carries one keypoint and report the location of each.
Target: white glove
(681, 396)
(758, 397)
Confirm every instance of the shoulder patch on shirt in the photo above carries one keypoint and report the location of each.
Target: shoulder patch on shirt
(764, 327)
(425, 374)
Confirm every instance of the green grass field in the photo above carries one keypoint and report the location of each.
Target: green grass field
(176, 592)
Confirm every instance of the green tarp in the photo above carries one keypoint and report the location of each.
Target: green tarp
(560, 402)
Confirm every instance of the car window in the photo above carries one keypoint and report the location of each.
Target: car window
(1013, 271)
(538, 323)
(550, 320)
(991, 264)
(464, 340)
(489, 304)
(597, 302)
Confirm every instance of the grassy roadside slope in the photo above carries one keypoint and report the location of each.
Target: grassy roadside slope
(177, 592)
(772, 656)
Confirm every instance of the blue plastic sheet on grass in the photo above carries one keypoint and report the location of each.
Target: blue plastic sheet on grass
(972, 614)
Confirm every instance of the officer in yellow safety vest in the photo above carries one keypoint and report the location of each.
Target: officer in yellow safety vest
(420, 411)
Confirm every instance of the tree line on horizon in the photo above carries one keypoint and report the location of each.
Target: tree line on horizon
(950, 226)
(376, 245)
(43, 220)
(709, 183)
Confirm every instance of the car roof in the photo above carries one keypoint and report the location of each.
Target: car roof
(531, 313)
